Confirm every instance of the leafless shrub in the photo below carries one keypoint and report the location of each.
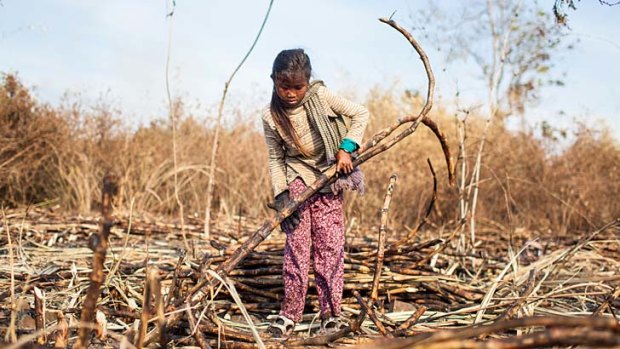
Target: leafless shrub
(59, 153)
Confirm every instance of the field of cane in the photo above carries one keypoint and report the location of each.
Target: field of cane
(540, 268)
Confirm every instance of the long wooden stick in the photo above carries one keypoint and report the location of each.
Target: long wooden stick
(381, 243)
(593, 323)
(99, 244)
(402, 329)
(371, 314)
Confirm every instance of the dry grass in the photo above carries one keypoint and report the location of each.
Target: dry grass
(59, 155)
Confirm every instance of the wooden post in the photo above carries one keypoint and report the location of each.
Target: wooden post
(39, 310)
(381, 244)
(99, 244)
(62, 331)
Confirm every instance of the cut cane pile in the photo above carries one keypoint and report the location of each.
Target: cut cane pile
(430, 291)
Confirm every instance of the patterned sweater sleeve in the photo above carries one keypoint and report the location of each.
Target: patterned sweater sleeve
(358, 113)
(275, 151)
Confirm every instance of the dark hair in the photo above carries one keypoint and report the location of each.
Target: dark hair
(288, 64)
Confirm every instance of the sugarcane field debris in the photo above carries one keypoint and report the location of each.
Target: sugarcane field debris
(127, 279)
(428, 292)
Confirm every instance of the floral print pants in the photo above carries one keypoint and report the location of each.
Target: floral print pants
(320, 233)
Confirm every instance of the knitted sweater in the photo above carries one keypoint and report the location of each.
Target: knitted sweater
(286, 163)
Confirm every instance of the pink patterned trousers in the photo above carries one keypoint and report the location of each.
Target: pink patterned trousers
(322, 227)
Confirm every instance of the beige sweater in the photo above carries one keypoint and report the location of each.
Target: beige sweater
(286, 163)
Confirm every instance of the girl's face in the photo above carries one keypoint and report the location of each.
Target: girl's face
(291, 89)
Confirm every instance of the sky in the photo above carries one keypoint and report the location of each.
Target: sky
(116, 50)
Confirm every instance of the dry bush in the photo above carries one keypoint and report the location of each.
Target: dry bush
(407, 159)
(61, 154)
(522, 185)
(29, 139)
(585, 179)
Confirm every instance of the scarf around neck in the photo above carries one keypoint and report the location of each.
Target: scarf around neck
(332, 131)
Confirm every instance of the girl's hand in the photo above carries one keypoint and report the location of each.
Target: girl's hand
(344, 163)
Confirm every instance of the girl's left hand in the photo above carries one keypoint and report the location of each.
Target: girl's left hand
(344, 163)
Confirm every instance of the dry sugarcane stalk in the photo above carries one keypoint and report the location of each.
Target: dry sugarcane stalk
(62, 331)
(497, 70)
(159, 309)
(399, 246)
(527, 290)
(594, 323)
(553, 337)
(173, 292)
(444, 147)
(251, 290)
(99, 244)
(558, 337)
(172, 114)
(11, 333)
(39, 309)
(406, 325)
(380, 248)
(371, 314)
(195, 331)
(607, 302)
(147, 298)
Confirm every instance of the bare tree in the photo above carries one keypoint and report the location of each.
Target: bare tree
(512, 43)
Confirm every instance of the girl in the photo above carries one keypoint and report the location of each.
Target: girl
(307, 129)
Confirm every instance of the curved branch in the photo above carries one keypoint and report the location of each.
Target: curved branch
(215, 145)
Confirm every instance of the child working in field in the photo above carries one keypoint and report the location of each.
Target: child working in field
(308, 129)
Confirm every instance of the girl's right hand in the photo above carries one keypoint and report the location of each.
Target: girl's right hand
(344, 163)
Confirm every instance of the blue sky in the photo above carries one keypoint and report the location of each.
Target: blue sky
(117, 49)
